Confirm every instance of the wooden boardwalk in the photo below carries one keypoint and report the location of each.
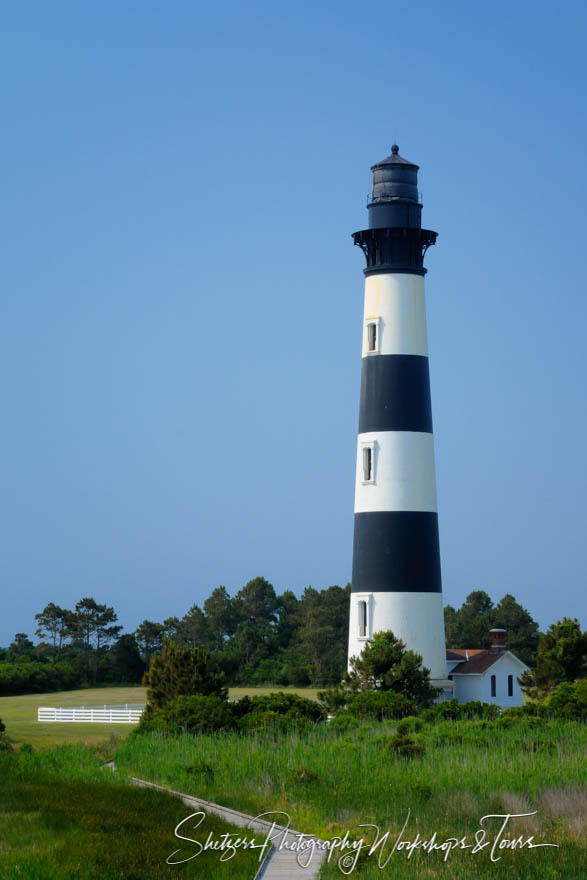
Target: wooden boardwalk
(289, 857)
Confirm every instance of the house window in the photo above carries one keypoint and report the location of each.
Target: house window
(510, 685)
(493, 686)
(362, 620)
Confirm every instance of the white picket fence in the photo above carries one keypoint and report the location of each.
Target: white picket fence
(92, 714)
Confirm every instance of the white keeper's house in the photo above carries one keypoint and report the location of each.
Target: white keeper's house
(490, 675)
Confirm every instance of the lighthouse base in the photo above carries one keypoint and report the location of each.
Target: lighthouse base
(445, 689)
(414, 618)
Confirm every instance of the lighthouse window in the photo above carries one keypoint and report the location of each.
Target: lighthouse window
(510, 685)
(372, 336)
(362, 620)
(493, 686)
(367, 464)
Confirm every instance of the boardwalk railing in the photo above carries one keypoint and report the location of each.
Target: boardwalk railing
(92, 714)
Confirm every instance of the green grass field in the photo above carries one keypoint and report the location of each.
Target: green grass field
(329, 783)
(64, 817)
(19, 714)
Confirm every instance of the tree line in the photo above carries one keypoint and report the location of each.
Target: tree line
(255, 637)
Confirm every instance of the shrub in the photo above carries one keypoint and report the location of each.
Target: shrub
(151, 719)
(527, 711)
(405, 747)
(182, 672)
(270, 722)
(521, 720)
(410, 724)
(455, 711)
(379, 705)
(287, 704)
(568, 700)
(197, 713)
(342, 723)
(333, 699)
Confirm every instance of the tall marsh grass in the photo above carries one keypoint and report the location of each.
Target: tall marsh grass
(329, 782)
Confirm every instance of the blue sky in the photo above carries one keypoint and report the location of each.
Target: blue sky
(182, 302)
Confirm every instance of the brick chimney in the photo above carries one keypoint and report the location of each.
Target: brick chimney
(497, 640)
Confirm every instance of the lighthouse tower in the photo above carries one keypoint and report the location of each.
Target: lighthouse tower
(396, 582)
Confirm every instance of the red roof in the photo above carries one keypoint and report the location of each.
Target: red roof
(479, 660)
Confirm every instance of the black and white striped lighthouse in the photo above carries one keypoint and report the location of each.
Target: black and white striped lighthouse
(396, 582)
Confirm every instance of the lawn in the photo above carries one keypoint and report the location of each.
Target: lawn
(19, 714)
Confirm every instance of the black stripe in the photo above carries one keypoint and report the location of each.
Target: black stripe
(396, 551)
(395, 393)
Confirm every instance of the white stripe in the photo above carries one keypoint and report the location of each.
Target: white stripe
(397, 303)
(403, 472)
(415, 618)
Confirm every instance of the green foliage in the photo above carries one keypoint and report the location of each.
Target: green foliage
(94, 626)
(409, 724)
(21, 648)
(379, 705)
(222, 616)
(291, 705)
(343, 723)
(266, 721)
(405, 746)
(521, 630)
(257, 637)
(193, 630)
(452, 709)
(123, 662)
(322, 634)
(196, 714)
(53, 623)
(528, 721)
(386, 665)
(568, 700)
(470, 625)
(4, 744)
(36, 677)
(333, 699)
(149, 638)
(181, 672)
(562, 657)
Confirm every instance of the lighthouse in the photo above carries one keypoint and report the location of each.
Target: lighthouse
(396, 582)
